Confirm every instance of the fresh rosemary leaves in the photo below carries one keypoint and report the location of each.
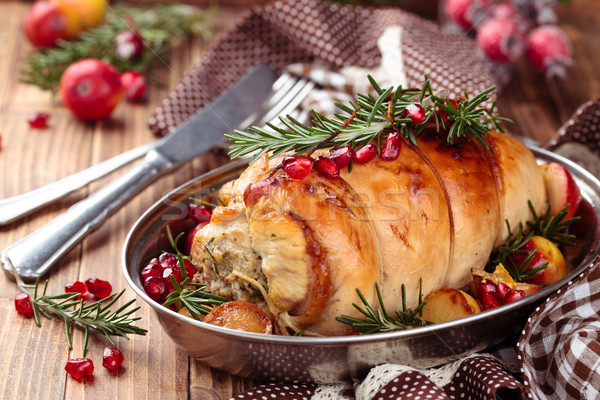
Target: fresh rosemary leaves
(381, 320)
(372, 118)
(193, 296)
(95, 316)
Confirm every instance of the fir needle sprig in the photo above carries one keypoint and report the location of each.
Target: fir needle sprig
(157, 26)
(381, 320)
(553, 228)
(371, 117)
(84, 316)
(192, 295)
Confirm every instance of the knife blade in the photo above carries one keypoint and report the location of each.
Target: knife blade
(36, 253)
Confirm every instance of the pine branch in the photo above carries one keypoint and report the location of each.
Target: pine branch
(85, 316)
(369, 119)
(553, 228)
(157, 26)
(381, 320)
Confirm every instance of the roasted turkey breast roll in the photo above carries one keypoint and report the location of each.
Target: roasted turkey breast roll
(301, 248)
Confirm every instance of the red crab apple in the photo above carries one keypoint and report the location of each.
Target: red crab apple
(561, 189)
(546, 252)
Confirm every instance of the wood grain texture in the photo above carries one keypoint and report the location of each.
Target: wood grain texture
(32, 359)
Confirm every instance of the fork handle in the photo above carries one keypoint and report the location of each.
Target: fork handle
(16, 207)
(33, 255)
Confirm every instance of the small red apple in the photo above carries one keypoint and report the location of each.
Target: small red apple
(561, 189)
(546, 252)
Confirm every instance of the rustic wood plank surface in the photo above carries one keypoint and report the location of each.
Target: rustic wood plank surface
(32, 359)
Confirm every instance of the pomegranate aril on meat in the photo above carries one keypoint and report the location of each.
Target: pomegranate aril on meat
(199, 212)
(342, 156)
(443, 113)
(168, 260)
(38, 120)
(297, 167)
(79, 367)
(129, 45)
(98, 287)
(156, 289)
(23, 304)
(415, 112)
(327, 168)
(365, 154)
(112, 358)
(151, 270)
(513, 295)
(391, 148)
(77, 287)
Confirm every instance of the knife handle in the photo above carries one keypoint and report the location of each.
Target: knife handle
(33, 255)
(18, 206)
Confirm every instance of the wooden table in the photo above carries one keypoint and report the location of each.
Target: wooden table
(32, 359)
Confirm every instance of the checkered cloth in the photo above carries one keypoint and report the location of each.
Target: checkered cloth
(559, 351)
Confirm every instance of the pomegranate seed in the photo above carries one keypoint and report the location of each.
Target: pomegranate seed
(443, 113)
(365, 154)
(156, 289)
(79, 367)
(134, 84)
(190, 268)
(415, 112)
(199, 212)
(513, 295)
(503, 289)
(489, 301)
(151, 270)
(391, 148)
(168, 260)
(112, 358)
(129, 45)
(23, 304)
(98, 287)
(166, 276)
(189, 239)
(297, 167)
(327, 168)
(38, 120)
(77, 287)
(342, 156)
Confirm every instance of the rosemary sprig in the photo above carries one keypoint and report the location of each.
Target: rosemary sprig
(191, 295)
(85, 316)
(553, 228)
(381, 320)
(157, 26)
(506, 256)
(372, 117)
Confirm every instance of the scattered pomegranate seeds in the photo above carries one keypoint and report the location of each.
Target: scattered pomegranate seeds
(38, 120)
(98, 287)
(297, 167)
(151, 270)
(23, 304)
(156, 289)
(365, 154)
(166, 276)
(327, 168)
(134, 84)
(391, 148)
(503, 290)
(129, 45)
(112, 358)
(77, 287)
(199, 212)
(168, 260)
(415, 112)
(342, 156)
(79, 367)
(489, 301)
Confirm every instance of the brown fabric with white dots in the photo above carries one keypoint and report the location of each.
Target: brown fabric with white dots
(293, 31)
(583, 127)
